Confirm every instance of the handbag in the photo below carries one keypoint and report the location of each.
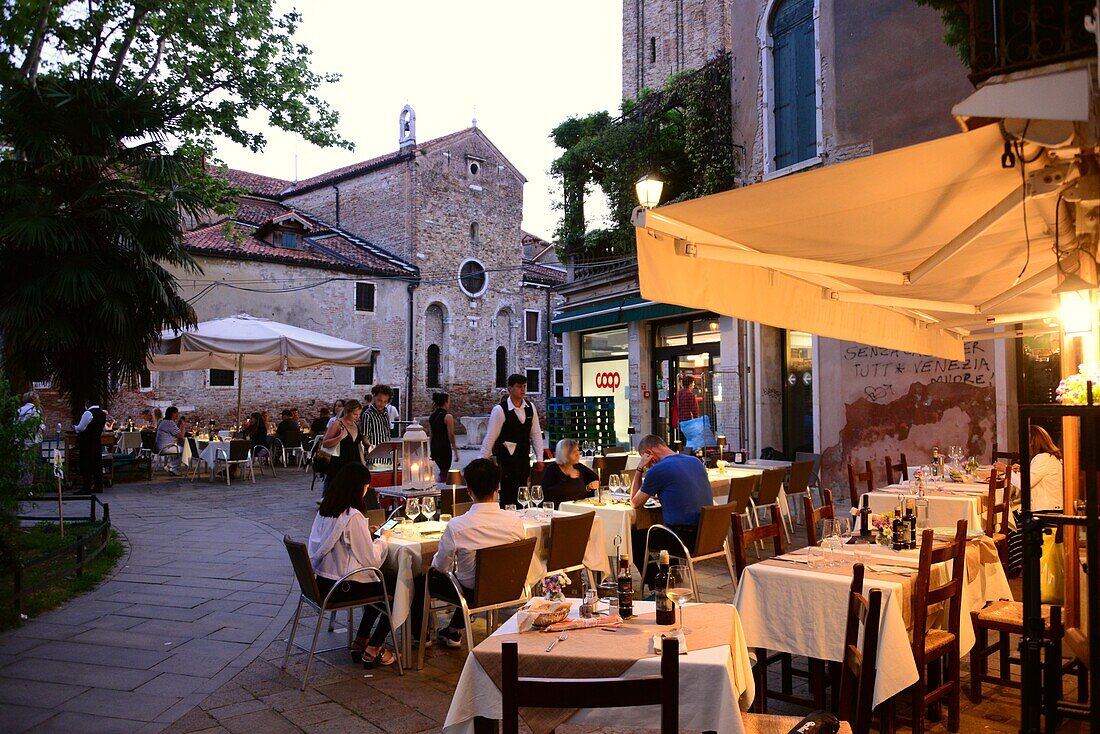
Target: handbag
(819, 722)
(1052, 569)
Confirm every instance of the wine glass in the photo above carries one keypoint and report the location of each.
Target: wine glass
(427, 506)
(679, 590)
(412, 508)
(524, 497)
(534, 495)
(614, 484)
(586, 448)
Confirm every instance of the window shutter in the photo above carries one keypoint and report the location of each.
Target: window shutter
(364, 296)
(794, 83)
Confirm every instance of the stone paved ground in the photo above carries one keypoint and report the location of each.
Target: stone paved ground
(189, 634)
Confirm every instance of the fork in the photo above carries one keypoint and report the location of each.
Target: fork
(561, 637)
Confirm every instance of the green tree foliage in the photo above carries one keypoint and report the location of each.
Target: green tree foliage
(213, 62)
(108, 112)
(956, 25)
(16, 454)
(682, 133)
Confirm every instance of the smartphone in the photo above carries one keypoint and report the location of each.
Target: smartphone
(388, 525)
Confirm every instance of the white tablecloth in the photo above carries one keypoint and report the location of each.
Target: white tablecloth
(405, 559)
(791, 608)
(615, 519)
(715, 686)
(946, 506)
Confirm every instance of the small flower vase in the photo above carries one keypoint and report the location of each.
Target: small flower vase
(555, 595)
(883, 539)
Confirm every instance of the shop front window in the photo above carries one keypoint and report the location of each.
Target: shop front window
(604, 344)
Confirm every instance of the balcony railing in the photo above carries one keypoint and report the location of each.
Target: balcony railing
(1014, 35)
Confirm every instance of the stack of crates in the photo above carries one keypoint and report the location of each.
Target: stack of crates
(581, 418)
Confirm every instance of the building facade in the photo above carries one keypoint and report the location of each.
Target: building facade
(811, 87)
(418, 254)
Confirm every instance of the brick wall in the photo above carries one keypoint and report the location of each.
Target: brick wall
(685, 34)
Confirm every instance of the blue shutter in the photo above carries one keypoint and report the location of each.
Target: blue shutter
(794, 82)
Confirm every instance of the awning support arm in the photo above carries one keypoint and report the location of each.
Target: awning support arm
(995, 320)
(1022, 287)
(901, 302)
(968, 235)
(731, 252)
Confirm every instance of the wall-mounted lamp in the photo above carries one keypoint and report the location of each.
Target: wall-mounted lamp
(649, 189)
(1077, 305)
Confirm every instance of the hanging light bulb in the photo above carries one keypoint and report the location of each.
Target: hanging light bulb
(649, 189)
(1077, 308)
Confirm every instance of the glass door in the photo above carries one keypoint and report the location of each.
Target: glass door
(798, 393)
(685, 390)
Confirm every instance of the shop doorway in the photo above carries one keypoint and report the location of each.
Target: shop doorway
(798, 393)
(686, 356)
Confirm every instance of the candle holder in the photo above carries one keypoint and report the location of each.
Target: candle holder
(416, 462)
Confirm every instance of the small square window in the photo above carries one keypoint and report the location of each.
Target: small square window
(559, 382)
(534, 381)
(288, 240)
(364, 297)
(222, 378)
(364, 373)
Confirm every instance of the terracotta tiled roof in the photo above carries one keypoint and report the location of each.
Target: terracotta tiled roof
(322, 246)
(255, 183)
(534, 272)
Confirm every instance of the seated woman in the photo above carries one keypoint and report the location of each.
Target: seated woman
(1046, 471)
(255, 430)
(340, 541)
(567, 479)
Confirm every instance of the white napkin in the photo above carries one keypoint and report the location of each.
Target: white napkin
(655, 641)
(511, 446)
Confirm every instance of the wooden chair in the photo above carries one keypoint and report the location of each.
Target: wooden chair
(767, 493)
(773, 724)
(568, 541)
(902, 467)
(856, 703)
(1006, 457)
(711, 541)
(517, 692)
(447, 506)
(740, 494)
(605, 466)
(311, 596)
(815, 514)
(500, 582)
(461, 508)
(856, 479)
(742, 537)
(936, 651)
(798, 481)
(996, 513)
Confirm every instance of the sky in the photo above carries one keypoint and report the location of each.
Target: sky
(520, 68)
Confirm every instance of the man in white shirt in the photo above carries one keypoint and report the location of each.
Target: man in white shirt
(483, 526)
(513, 430)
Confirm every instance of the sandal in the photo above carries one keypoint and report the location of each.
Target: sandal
(382, 657)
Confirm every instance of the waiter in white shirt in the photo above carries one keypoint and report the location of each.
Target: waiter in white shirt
(513, 430)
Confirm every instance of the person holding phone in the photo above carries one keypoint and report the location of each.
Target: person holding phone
(340, 541)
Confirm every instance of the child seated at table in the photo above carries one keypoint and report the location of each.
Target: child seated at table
(484, 525)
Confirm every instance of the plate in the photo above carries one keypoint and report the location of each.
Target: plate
(430, 527)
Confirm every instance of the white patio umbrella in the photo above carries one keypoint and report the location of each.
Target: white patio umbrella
(246, 343)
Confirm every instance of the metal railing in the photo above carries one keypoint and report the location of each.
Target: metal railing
(1014, 35)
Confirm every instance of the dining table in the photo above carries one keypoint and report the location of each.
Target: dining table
(787, 606)
(617, 518)
(632, 460)
(411, 546)
(208, 452)
(948, 502)
(715, 686)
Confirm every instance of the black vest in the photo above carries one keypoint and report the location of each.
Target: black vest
(89, 437)
(514, 431)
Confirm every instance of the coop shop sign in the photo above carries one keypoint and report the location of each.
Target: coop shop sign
(608, 380)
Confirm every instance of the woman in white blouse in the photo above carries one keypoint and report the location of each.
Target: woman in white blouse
(1046, 471)
(340, 541)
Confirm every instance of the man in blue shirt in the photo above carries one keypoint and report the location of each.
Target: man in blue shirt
(680, 482)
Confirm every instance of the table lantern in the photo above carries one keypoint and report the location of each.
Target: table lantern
(417, 469)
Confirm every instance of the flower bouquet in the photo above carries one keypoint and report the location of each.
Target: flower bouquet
(882, 526)
(1073, 390)
(552, 586)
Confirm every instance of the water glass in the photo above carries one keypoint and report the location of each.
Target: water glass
(444, 518)
(402, 526)
(816, 556)
(548, 506)
(510, 508)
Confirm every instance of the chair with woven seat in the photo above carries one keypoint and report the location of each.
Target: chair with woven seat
(767, 494)
(568, 540)
(711, 541)
(996, 513)
(663, 689)
(857, 480)
(937, 651)
(798, 481)
(858, 669)
(775, 724)
(816, 514)
(500, 582)
(311, 596)
(902, 469)
(742, 537)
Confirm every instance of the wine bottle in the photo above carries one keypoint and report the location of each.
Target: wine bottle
(625, 588)
(910, 518)
(864, 517)
(897, 531)
(666, 610)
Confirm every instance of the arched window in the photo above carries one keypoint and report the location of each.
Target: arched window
(502, 367)
(794, 82)
(433, 376)
(473, 233)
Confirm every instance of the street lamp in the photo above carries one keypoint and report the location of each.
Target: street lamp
(649, 189)
(1076, 304)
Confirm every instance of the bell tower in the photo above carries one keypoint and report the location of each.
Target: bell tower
(406, 128)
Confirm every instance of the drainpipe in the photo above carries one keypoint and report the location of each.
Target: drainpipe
(409, 356)
(337, 190)
(549, 379)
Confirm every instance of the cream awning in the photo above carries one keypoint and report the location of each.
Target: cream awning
(909, 249)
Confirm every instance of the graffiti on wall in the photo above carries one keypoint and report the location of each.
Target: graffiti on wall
(898, 402)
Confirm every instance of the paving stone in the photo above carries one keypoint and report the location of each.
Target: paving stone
(68, 722)
(78, 674)
(172, 684)
(36, 693)
(265, 721)
(23, 718)
(120, 657)
(194, 720)
(315, 714)
(236, 709)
